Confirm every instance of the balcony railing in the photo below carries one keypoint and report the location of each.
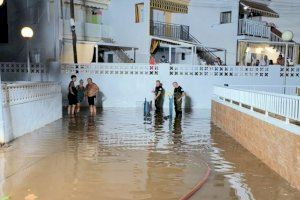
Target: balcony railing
(172, 31)
(254, 28)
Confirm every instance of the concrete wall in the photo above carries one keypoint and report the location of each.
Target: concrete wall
(276, 147)
(26, 107)
(130, 90)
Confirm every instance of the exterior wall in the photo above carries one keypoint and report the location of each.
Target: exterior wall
(277, 148)
(121, 17)
(204, 21)
(288, 11)
(12, 71)
(28, 106)
(127, 85)
(88, 28)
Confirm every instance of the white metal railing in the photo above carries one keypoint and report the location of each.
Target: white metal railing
(22, 92)
(111, 69)
(20, 67)
(283, 105)
(279, 89)
(254, 28)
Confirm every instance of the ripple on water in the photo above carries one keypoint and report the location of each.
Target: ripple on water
(115, 155)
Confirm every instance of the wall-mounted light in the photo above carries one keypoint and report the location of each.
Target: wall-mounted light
(1, 2)
(246, 7)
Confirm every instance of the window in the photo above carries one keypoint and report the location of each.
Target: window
(110, 58)
(225, 17)
(183, 56)
(93, 16)
(139, 12)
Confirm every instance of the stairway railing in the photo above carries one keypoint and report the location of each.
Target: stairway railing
(122, 55)
(205, 53)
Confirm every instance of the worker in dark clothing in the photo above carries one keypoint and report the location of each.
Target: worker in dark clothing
(178, 95)
(158, 96)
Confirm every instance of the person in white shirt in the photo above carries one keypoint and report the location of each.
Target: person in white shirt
(264, 61)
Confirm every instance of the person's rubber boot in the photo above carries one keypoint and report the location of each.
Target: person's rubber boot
(178, 113)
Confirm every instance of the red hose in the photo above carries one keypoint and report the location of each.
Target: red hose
(198, 186)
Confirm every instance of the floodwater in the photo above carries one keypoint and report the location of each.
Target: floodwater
(116, 156)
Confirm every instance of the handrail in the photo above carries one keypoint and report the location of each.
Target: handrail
(287, 106)
(278, 89)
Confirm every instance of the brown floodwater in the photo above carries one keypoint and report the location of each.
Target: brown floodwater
(117, 156)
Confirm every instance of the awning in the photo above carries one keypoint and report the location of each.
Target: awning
(258, 8)
(85, 52)
(173, 6)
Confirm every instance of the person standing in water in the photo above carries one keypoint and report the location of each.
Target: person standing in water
(91, 91)
(178, 95)
(158, 98)
(80, 95)
(72, 96)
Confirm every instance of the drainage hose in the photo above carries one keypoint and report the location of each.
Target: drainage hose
(199, 185)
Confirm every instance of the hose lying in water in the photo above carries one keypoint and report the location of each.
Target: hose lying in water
(198, 186)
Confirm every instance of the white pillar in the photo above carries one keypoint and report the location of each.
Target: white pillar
(192, 55)
(170, 54)
(28, 61)
(285, 64)
(97, 55)
(2, 138)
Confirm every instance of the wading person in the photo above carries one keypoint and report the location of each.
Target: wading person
(72, 96)
(91, 91)
(158, 96)
(178, 95)
(80, 95)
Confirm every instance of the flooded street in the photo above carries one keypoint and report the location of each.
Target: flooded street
(117, 156)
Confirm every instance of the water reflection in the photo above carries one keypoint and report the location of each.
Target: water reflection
(114, 155)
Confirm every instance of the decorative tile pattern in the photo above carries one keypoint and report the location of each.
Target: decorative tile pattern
(18, 93)
(13, 67)
(111, 69)
(229, 71)
(290, 72)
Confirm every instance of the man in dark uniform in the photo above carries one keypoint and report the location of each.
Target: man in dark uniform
(178, 95)
(158, 98)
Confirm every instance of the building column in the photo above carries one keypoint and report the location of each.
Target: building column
(96, 54)
(134, 54)
(170, 54)
(2, 138)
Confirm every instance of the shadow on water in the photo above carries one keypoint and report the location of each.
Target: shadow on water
(177, 130)
(188, 103)
(100, 99)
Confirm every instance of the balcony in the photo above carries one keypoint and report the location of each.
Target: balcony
(87, 31)
(170, 31)
(253, 28)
